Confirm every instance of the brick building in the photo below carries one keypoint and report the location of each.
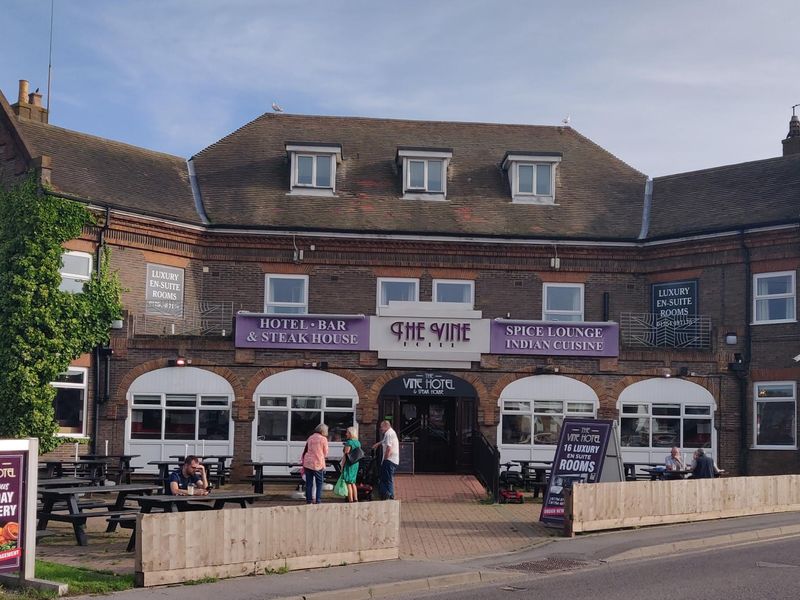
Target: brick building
(467, 281)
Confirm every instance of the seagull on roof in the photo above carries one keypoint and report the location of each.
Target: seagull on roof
(276, 108)
(565, 120)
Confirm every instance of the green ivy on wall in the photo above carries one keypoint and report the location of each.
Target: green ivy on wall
(43, 329)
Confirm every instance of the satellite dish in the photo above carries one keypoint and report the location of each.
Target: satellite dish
(276, 108)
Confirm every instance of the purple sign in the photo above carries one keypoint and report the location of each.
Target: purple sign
(579, 459)
(302, 332)
(554, 338)
(12, 467)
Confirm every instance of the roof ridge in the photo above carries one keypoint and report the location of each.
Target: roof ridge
(727, 167)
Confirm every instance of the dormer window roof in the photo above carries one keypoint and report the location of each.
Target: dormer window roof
(424, 172)
(313, 167)
(532, 176)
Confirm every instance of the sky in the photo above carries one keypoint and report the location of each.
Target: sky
(667, 87)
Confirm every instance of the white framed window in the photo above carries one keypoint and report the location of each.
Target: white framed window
(294, 418)
(76, 270)
(562, 302)
(396, 289)
(313, 168)
(774, 298)
(70, 401)
(532, 176)
(459, 291)
(424, 172)
(664, 425)
(538, 422)
(775, 410)
(286, 294)
(180, 417)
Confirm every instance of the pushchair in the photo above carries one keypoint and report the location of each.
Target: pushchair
(367, 477)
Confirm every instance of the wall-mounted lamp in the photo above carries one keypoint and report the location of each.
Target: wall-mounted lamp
(737, 366)
(684, 372)
(180, 362)
(117, 324)
(731, 338)
(322, 365)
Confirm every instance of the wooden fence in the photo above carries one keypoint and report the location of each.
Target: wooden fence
(177, 547)
(597, 506)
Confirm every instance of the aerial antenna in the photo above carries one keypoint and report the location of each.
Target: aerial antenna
(50, 59)
(794, 107)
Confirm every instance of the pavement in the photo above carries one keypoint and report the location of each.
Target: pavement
(450, 537)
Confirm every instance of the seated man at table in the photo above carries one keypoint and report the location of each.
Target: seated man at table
(703, 466)
(190, 473)
(674, 462)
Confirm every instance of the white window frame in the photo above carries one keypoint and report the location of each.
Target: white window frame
(681, 418)
(406, 156)
(511, 164)
(380, 282)
(267, 304)
(757, 400)
(314, 152)
(76, 276)
(288, 409)
(792, 295)
(196, 409)
(546, 286)
(528, 408)
(81, 386)
(468, 282)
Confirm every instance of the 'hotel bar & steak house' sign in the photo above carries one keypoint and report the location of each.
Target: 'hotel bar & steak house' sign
(302, 332)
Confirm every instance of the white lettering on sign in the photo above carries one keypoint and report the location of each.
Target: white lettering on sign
(7, 472)
(427, 385)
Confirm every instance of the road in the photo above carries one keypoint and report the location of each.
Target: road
(760, 570)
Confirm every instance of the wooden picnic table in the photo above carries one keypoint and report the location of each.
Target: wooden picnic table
(123, 464)
(259, 477)
(63, 482)
(164, 471)
(95, 469)
(212, 501)
(534, 474)
(76, 513)
(220, 467)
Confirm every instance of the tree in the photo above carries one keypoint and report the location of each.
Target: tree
(43, 329)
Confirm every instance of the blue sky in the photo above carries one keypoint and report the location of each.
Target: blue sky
(666, 86)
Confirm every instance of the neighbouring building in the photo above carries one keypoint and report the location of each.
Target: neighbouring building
(473, 283)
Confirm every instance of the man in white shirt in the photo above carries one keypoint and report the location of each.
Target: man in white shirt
(390, 446)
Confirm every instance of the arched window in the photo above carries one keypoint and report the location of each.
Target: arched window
(661, 413)
(290, 404)
(532, 410)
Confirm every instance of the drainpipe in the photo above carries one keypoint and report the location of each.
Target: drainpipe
(743, 374)
(98, 351)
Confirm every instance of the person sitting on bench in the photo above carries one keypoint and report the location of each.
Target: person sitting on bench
(189, 479)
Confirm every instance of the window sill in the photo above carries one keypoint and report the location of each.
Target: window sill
(776, 322)
(74, 436)
(434, 196)
(539, 200)
(312, 192)
(790, 448)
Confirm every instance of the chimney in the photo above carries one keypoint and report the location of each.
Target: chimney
(791, 145)
(29, 105)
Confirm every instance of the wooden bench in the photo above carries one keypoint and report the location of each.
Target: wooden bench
(125, 522)
(79, 520)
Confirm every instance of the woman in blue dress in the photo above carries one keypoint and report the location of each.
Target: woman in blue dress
(352, 454)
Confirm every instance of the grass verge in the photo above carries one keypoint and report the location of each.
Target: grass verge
(83, 581)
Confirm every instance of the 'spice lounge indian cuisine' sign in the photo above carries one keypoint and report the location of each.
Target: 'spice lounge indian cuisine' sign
(164, 295)
(554, 339)
(311, 332)
(579, 459)
(11, 507)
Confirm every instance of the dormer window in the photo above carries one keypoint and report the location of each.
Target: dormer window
(424, 172)
(532, 176)
(313, 168)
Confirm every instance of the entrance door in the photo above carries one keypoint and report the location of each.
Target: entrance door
(430, 424)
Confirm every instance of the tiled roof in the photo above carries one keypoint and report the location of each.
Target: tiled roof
(244, 180)
(745, 195)
(112, 173)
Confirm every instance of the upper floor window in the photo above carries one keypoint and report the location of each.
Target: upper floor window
(397, 290)
(774, 297)
(562, 302)
(775, 415)
(70, 401)
(286, 294)
(76, 270)
(531, 176)
(313, 167)
(424, 172)
(454, 290)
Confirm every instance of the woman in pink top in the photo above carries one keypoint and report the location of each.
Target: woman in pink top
(314, 462)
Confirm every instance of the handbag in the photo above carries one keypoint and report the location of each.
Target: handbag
(355, 455)
(340, 489)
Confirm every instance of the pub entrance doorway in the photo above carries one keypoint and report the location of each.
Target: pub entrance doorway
(437, 413)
